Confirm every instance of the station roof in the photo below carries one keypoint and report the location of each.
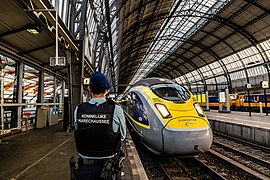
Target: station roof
(16, 22)
(186, 40)
(173, 38)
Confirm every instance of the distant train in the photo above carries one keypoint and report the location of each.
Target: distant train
(241, 101)
(166, 118)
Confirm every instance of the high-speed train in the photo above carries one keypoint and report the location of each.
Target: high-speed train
(167, 118)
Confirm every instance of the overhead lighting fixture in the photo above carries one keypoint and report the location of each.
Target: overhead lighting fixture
(33, 29)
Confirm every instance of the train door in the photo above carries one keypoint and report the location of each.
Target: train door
(257, 102)
(267, 100)
(241, 103)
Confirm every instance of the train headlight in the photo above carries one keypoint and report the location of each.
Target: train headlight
(199, 109)
(163, 111)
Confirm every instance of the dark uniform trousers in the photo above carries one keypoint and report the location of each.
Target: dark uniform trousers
(91, 170)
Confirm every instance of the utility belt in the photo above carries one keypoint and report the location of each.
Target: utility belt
(91, 162)
(109, 166)
(113, 165)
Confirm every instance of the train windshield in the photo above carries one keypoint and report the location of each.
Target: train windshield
(171, 92)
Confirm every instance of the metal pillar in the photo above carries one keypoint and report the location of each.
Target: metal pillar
(249, 108)
(219, 106)
(19, 92)
(265, 101)
(40, 87)
(75, 85)
(207, 101)
(228, 105)
(2, 98)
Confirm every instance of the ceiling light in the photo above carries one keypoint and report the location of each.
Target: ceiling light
(33, 29)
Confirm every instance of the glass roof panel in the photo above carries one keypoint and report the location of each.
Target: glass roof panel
(210, 81)
(221, 79)
(196, 75)
(206, 71)
(266, 47)
(216, 67)
(247, 58)
(238, 75)
(188, 17)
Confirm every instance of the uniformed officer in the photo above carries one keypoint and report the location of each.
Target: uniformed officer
(99, 129)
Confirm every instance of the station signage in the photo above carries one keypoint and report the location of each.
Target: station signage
(264, 84)
(248, 86)
(86, 81)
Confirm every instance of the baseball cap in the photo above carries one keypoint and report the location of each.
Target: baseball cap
(99, 79)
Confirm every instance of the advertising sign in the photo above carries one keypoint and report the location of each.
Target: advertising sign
(222, 97)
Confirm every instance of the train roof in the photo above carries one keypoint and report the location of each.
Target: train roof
(153, 81)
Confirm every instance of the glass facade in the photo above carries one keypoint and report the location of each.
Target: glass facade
(20, 110)
(48, 88)
(8, 93)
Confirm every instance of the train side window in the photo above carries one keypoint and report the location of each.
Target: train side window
(241, 98)
(251, 99)
(138, 110)
(267, 98)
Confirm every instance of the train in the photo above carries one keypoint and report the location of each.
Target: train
(166, 118)
(240, 101)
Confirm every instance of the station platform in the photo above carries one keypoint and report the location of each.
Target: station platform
(254, 128)
(43, 154)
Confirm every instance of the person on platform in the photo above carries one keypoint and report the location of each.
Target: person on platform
(100, 127)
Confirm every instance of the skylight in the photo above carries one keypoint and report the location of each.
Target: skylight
(185, 18)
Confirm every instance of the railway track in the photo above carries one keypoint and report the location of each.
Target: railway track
(252, 156)
(227, 159)
(187, 168)
(209, 165)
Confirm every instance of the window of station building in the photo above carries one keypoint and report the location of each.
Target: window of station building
(30, 95)
(8, 84)
(58, 91)
(211, 84)
(9, 79)
(222, 82)
(59, 97)
(48, 88)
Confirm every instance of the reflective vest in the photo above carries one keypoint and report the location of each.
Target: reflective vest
(94, 136)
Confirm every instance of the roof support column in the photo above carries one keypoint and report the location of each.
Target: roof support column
(19, 92)
(75, 83)
(40, 87)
